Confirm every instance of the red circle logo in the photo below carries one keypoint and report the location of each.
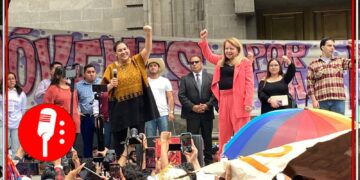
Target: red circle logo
(46, 132)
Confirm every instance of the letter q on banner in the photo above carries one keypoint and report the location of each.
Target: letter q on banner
(46, 132)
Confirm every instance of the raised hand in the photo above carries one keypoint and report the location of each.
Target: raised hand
(165, 136)
(143, 139)
(204, 34)
(250, 56)
(286, 59)
(147, 28)
(191, 156)
(72, 174)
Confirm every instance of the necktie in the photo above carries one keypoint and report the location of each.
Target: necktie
(198, 83)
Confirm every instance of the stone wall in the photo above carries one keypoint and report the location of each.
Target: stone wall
(169, 18)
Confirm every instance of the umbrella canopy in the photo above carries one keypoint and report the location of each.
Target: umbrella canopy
(280, 127)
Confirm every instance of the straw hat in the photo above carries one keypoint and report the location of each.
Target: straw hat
(158, 61)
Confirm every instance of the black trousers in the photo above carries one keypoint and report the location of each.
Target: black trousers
(195, 126)
(120, 138)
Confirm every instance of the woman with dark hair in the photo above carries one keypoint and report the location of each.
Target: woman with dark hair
(131, 102)
(273, 91)
(16, 109)
(232, 85)
(59, 93)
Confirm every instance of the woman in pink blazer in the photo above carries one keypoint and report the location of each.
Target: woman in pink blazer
(232, 85)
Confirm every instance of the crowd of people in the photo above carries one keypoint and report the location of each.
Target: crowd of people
(139, 97)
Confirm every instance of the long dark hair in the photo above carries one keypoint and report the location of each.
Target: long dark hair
(117, 43)
(17, 87)
(268, 74)
(58, 75)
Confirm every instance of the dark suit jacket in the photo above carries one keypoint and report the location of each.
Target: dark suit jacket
(189, 96)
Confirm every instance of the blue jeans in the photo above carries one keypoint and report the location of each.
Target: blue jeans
(13, 141)
(152, 126)
(87, 132)
(333, 105)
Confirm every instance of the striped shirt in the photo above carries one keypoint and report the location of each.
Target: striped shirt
(86, 95)
(326, 80)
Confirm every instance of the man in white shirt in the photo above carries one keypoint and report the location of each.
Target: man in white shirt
(45, 83)
(162, 91)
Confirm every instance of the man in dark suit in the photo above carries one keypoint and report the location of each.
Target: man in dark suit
(197, 101)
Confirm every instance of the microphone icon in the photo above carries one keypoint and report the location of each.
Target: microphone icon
(46, 127)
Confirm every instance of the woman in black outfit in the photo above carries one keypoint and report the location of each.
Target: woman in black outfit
(275, 83)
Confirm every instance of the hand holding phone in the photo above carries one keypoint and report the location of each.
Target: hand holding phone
(186, 144)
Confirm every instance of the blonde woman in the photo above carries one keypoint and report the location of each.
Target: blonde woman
(232, 85)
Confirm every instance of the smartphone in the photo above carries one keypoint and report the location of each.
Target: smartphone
(115, 171)
(87, 172)
(150, 158)
(69, 154)
(28, 168)
(174, 147)
(185, 139)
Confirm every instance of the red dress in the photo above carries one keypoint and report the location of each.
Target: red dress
(61, 97)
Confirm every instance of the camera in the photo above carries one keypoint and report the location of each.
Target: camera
(110, 157)
(134, 137)
(70, 71)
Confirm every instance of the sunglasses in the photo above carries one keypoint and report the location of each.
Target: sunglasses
(194, 62)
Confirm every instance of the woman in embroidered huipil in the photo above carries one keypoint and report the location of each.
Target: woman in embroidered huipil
(131, 102)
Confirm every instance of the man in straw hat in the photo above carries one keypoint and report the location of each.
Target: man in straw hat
(162, 91)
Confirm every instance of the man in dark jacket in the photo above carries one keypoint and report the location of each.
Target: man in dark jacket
(197, 102)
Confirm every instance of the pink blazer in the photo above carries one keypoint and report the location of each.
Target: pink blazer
(243, 82)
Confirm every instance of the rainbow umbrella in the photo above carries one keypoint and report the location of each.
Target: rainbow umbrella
(280, 127)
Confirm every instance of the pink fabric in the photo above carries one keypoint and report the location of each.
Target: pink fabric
(228, 123)
(61, 97)
(232, 116)
(243, 82)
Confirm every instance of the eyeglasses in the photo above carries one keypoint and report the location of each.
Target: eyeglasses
(194, 62)
(273, 65)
